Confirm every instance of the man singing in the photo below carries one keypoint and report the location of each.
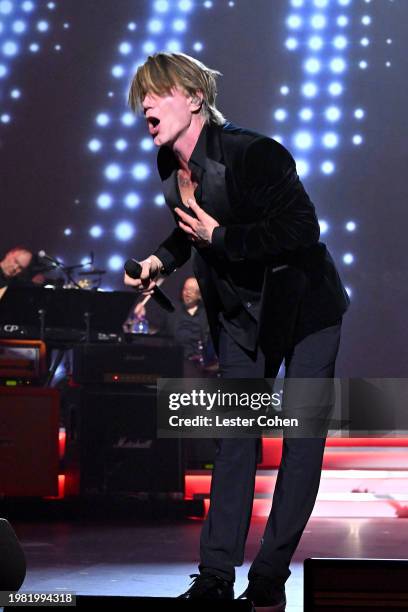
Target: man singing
(271, 293)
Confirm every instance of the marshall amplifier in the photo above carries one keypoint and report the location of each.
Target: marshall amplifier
(112, 443)
(142, 362)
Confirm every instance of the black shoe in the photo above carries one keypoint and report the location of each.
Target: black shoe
(209, 586)
(265, 594)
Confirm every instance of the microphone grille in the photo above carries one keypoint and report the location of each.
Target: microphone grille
(133, 268)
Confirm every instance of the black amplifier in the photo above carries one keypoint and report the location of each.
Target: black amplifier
(142, 362)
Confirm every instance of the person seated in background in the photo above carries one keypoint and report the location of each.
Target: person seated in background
(188, 326)
(14, 263)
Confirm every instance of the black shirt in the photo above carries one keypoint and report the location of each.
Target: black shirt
(188, 330)
(4, 280)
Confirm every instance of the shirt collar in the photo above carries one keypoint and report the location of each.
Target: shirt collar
(199, 153)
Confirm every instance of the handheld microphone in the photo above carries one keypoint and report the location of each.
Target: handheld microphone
(134, 270)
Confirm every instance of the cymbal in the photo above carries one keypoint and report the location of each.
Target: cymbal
(92, 272)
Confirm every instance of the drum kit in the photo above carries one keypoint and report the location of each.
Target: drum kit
(78, 276)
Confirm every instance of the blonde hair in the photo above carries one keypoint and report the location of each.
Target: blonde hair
(163, 71)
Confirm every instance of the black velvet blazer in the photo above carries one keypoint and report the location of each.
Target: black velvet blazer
(266, 276)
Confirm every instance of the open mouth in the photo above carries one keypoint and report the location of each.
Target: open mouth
(153, 124)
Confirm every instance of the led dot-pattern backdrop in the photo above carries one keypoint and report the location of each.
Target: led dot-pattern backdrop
(327, 78)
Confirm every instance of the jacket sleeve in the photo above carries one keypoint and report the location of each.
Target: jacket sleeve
(174, 251)
(275, 197)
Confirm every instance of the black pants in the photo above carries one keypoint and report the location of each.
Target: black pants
(225, 529)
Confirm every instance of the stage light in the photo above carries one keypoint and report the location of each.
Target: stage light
(34, 47)
(306, 114)
(351, 226)
(27, 6)
(3, 71)
(291, 44)
(140, 172)
(366, 20)
(6, 7)
(342, 21)
(128, 119)
(102, 119)
(185, 5)
(208, 4)
(115, 262)
(318, 22)
(284, 90)
(302, 168)
(277, 137)
(332, 113)
(327, 167)
(94, 145)
(51, 5)
(159, 200)
(340, 42)
(113, 172)
(330, 140)
(337, 64)
(297, 3)
(15, 93)
(280, 114)
(303, 140)
(348, 259)
(155, 26)
(174, 46)
(294, 22)
(324, 226)
(96, 231)
(198, 46)
(359, 113)
(364, 42)
(320, 3)
(161, 6)
(315, 43)
(124, 230)
(104, 200)
(344, 2)
(357, 139)
(42, 26)
(125, 48)
(146, 144)
(132, 200)
(149, 47)
(363, 64)
(121, 144)
(132, 26)
(312, 65)
(10, 48)
(5, 118)
(335, 89)
(309, 90)
(19, 27)
(67, 231)
(118, 71)
(179, 25)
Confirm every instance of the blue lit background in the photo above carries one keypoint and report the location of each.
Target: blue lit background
(325, 77)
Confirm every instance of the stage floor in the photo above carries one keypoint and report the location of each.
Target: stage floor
(154, 557)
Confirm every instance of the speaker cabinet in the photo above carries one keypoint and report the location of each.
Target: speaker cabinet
(355, 585)
(29, 423)
(112, 433)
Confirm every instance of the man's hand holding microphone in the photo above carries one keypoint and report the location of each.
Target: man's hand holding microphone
(143, 276)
